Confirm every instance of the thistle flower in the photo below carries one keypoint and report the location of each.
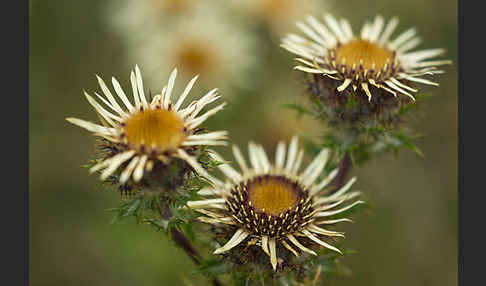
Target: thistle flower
(278, 15)
(146, 135)
(204, 41)
(273, 205)
(369, 63)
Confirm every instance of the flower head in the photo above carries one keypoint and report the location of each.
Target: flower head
(142, 135)
(204, 41)
(370, 63)
(278, 15)
(274, 206)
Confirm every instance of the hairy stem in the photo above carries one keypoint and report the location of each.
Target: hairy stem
(181, 240)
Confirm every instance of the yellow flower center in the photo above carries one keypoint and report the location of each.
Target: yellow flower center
(195, 56)
(174, 6)
(276, 8)
(369, 53)
(158, 128)
(273, 195)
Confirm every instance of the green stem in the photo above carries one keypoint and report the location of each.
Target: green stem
(183, 242)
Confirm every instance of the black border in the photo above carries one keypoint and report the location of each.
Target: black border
(14, 204)
(471, 147)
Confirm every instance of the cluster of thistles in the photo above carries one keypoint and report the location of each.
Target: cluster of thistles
(266, 211)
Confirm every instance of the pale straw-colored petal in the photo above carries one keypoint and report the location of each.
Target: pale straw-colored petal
(365, 31)
(402, 38)
(121, 94)
(298, 40)
(204, 142)
(298, 162)
(397, 88)
(185, 93)
(240, 159)
(253, 154)
(264, 242)
(108, 116)
(299, 245)
(273, 253)
(197, 121)
(421, 80)
(316, 229)
(310, 33)
(344, 85)
(263, 159)
(108, 104)
(183, 113)
(317, 188)
(343, 189)
(409, 45)
(311, 173)
(110, 97)
(390, 27)
(286, 245)
(141, 92)
(203, 101)
(422, 55)
(366, 89)
(347, 30)
(116, 161)
(224, 220)
(318, 241)
(398, 83)
(228, 171)
(326, 207)
(170, 87)
(209, 192)
(215, 135)
(125, 175)
(308, 70)
(293, 48)
(376, 28)
(280, 155)
(205, 203)
(291, 154)
(138, 173)
(237, 238)
(331, 213)
(334, 221)
(156, 100)
(91, 126)
(133, 81)
(330, 39)
(430, 64)
(333, 24)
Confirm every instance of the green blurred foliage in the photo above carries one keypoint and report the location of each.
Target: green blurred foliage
(409, 237)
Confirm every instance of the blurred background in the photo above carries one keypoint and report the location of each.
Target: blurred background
(408, 237)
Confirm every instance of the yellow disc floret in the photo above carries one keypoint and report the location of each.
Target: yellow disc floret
(273, 195)
(196, 56)
(365, 51)
(158, 129)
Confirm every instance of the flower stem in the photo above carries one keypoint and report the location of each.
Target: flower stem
(344, 166)
(181, 240)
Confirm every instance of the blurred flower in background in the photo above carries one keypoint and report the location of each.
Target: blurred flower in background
(197, 38)
(279, 15)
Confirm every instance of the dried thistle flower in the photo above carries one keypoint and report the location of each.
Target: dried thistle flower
(273, 205)
(149, 136)
(368, 69)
